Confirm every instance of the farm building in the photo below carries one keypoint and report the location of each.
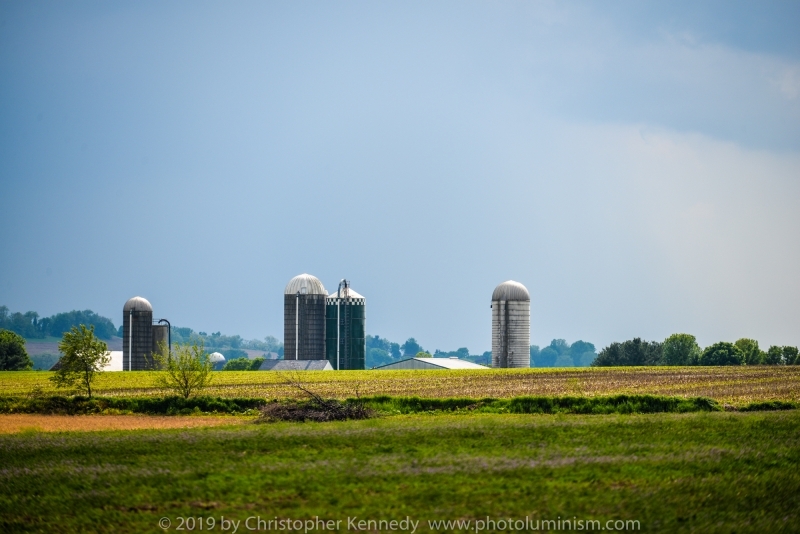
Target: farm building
(296, 365)
(431, 363)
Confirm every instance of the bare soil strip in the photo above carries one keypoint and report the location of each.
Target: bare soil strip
(14, 423)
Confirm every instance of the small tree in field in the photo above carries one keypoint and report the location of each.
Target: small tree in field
(13, 356)
(186, 371)
(83, 357)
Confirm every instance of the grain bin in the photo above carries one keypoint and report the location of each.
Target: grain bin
(304, 319)
(217, 360)
(345, 323)
(137, 335)
(511, 325)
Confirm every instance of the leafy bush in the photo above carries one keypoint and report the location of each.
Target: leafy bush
(186, 370)
(237, 364)
(546, 405)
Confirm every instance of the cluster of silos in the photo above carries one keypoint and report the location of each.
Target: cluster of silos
(511, 325)
(319, 327)
(345, 328)
(142, 338)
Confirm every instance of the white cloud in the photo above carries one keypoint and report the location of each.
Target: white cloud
(711, 233)
(788, 81)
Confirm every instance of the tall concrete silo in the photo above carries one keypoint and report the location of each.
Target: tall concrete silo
(345, 322)
(511, 325)
(304, 319)
(137, 335)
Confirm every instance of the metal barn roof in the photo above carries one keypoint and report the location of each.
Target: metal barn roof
(431, 363)
(305, 284)
(511, 290)
(137, 304)
(296, 365)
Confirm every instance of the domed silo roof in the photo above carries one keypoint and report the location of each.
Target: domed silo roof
(511, 290)
(137, 304)
(216, 357)
(305, 284)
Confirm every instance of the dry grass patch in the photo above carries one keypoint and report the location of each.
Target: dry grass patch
(15, 423)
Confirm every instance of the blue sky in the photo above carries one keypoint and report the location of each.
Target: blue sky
(636, 165)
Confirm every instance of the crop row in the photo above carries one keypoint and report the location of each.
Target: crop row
(734, 385)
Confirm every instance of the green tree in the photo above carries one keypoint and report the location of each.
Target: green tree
(13, 356)
(560, 345)
(752, 354)
(774, 356)
(547, 357)
(186, 371)
(722, 353)
(377, 357)
(680, 349)
(564, 360)
(631, 352)
(586, 359)
(83, 357)
(792, 355)
(534, 355)
(582, 353)
(423, 354)
(411, 347)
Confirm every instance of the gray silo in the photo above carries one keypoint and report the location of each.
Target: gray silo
(137, 335)
(511, 325)
(345, 338)
(304, 319)
(161, 337)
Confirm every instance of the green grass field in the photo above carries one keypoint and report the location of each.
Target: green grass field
(733, 385)
(670, 472)
(699, 472)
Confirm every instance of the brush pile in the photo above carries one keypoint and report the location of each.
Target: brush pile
(315, 409)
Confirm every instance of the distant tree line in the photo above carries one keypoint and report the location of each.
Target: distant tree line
(381, 351)
(561, 354)
(682, 349)
(30, 326)
(230, 346)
